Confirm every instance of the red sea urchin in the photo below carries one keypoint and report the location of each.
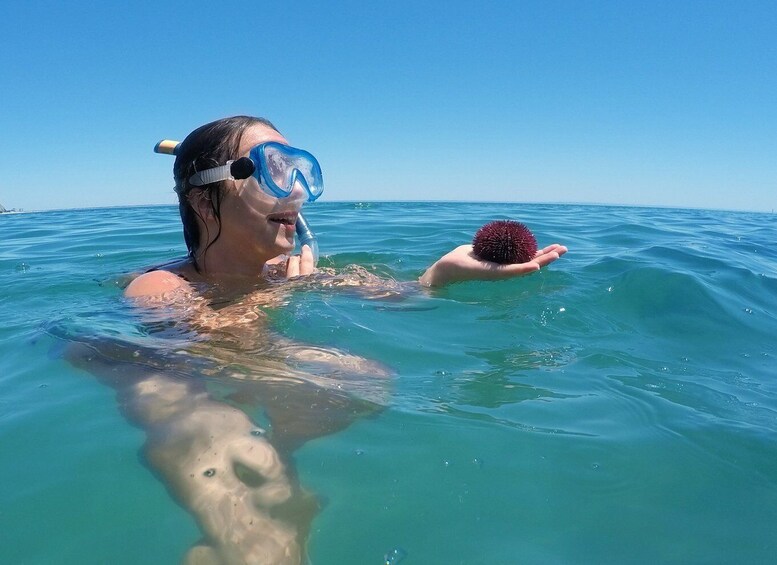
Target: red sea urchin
(505, 241)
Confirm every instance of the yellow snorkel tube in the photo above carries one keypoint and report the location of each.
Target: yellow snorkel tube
(304, 233)
(166, 147)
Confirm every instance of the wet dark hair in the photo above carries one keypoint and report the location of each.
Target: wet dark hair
(211, 145)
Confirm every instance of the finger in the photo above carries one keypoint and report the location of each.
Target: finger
(518, 269)
(560, 249)
(307, 262)
(546, 259)
(543, 258)
(292, 267)
(275, 260)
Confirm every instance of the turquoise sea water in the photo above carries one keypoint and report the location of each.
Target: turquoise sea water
(617, 407)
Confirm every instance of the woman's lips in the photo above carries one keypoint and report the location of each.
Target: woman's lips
(285, 218)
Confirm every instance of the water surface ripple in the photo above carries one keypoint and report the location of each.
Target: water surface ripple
(620, 406)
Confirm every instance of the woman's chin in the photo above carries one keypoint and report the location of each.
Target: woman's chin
(285, 245)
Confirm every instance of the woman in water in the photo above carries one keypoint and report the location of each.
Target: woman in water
(236, 228)
(239, 219)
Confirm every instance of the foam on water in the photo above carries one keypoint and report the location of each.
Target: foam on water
(620, 406)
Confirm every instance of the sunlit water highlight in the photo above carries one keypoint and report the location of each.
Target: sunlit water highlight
(620, 406)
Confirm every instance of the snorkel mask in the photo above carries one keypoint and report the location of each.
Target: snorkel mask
(277, 168)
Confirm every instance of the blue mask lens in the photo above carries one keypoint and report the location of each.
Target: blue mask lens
(279, 167)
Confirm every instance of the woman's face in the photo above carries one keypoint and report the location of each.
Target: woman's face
(254, 220)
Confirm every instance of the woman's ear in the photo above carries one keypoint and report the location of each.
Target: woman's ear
(200, 201)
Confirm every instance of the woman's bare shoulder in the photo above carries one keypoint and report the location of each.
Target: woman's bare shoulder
(155, 283)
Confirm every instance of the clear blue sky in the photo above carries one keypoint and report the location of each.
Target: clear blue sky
(646, 103)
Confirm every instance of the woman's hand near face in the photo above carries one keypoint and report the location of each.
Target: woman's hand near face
(462, 264)
(302, 264)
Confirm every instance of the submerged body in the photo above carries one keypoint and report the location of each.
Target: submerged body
(240, 240)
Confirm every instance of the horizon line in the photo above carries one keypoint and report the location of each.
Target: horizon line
(16, 211)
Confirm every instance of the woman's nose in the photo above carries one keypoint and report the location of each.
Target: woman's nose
(298, 191)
